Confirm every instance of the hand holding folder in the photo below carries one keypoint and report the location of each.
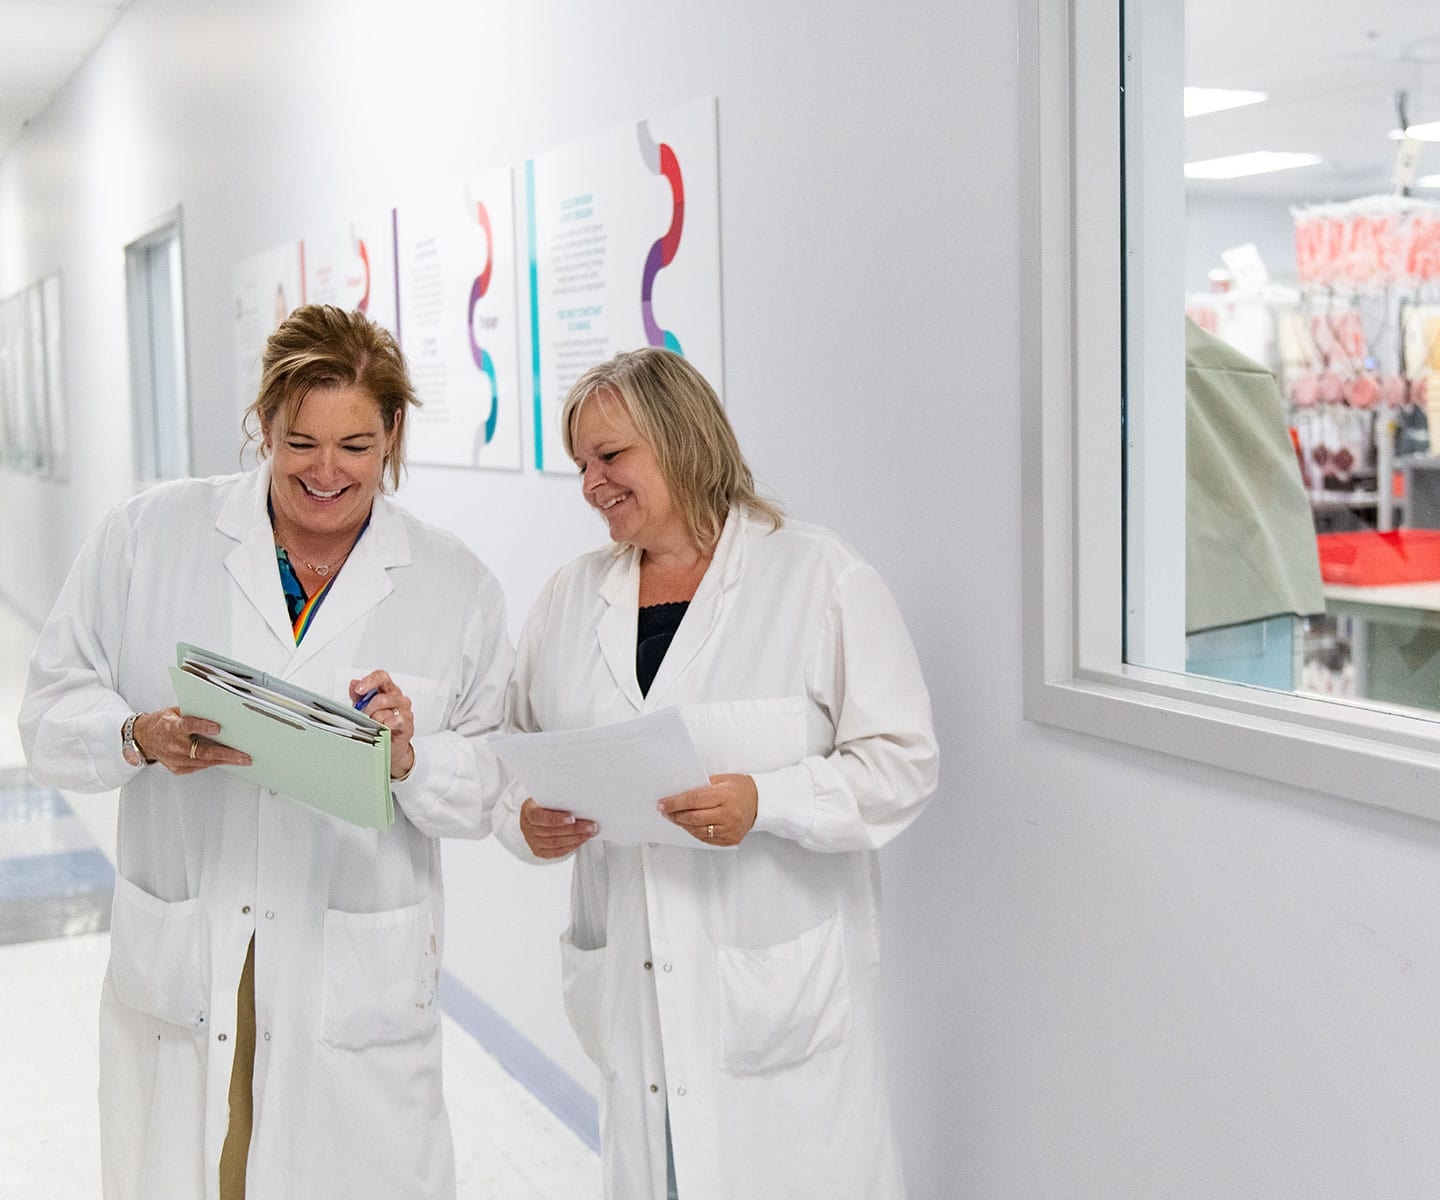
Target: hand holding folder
(316, 750)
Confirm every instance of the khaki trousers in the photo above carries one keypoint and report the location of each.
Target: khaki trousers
(236, 1151)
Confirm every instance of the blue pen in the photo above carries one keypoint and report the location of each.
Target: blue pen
(366, 698)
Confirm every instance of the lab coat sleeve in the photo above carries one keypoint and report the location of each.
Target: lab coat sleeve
(520, 718)
(71, 713)
(455, 783)
(864, 675)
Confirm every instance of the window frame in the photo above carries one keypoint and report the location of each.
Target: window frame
(162, 433)
(1072, 472)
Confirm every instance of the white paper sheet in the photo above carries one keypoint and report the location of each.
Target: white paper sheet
(612, 774)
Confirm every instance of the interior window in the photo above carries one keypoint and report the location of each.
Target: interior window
(1297, 395)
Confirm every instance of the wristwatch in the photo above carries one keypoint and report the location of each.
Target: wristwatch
(128, 743)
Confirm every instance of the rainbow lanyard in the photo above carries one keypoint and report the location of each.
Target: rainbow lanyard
(302, 608)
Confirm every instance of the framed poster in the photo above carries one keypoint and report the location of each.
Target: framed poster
(459, 324)
(352, 266)
(624, 251)
(58, 463)
(267, 289)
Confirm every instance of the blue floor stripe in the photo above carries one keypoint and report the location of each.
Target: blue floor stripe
(82, 876)
(32, 804)
(69, 874)
(521, 1058)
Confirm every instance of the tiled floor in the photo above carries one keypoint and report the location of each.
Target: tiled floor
(55, 856)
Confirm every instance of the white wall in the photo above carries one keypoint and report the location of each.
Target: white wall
(1214, 224)
(1111, 974)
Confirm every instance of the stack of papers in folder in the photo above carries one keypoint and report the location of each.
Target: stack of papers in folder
(316, 750)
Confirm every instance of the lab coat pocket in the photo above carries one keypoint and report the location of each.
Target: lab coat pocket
(382, 974)
(155, 955)
(784, 1003)
(586, 1002)
(428, 697)
(746, 736)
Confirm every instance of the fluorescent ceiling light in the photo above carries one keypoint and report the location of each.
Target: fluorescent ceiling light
(1257, 162)
(1428, 181)
(1429, 132)
(1199, 101)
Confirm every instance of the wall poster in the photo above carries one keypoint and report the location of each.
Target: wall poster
(459, 325)
(624, 251)
(33, 425)
(352, 266)
(267, 289)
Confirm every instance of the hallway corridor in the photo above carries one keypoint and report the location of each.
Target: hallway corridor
(56, 877)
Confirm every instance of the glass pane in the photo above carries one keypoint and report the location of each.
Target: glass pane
(157, 357)
(1272, 196)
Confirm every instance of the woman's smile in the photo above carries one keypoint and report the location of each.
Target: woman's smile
(328, 467)
(621, 478)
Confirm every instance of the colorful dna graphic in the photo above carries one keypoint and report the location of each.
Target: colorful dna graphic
(482, 358)
(364, 304)
(661, 160)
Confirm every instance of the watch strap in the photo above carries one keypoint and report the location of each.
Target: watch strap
(127, 739)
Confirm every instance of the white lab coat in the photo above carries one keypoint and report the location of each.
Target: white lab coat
(740, 988)
(347, 921)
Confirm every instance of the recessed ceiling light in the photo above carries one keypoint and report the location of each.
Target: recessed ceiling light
(1257, 162)
(1199, 101)
(1428, 132)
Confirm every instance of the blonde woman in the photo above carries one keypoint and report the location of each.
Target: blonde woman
(729, 1000)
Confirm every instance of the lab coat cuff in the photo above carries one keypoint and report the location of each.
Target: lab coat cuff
(99, 736)
(786, 802)
(507, 827)
(419, 793)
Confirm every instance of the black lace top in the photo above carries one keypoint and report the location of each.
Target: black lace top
(657, 626)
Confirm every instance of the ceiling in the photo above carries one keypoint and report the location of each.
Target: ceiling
(1332, 69)
(42, 44)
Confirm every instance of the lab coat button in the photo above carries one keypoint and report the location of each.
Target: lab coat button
(654, 1087)
(270, 915)
(267, 1035)
(679, 1091)
(273, 792)
(648, 967)
(246, 909)
(666, 967)
(221, 1038)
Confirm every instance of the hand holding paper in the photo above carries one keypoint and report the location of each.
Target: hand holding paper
(720, 814)
(553, 832)
(613, 775)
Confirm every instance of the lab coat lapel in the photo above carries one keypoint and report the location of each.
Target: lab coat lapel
(616, 630)
(707, 606)
(251, 561)
(363, 582)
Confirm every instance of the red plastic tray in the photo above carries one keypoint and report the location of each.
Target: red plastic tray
(1369, 559)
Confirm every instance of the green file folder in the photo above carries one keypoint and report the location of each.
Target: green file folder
(316, 750)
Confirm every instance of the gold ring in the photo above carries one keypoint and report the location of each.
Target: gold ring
(194, 743)
(712, 831)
